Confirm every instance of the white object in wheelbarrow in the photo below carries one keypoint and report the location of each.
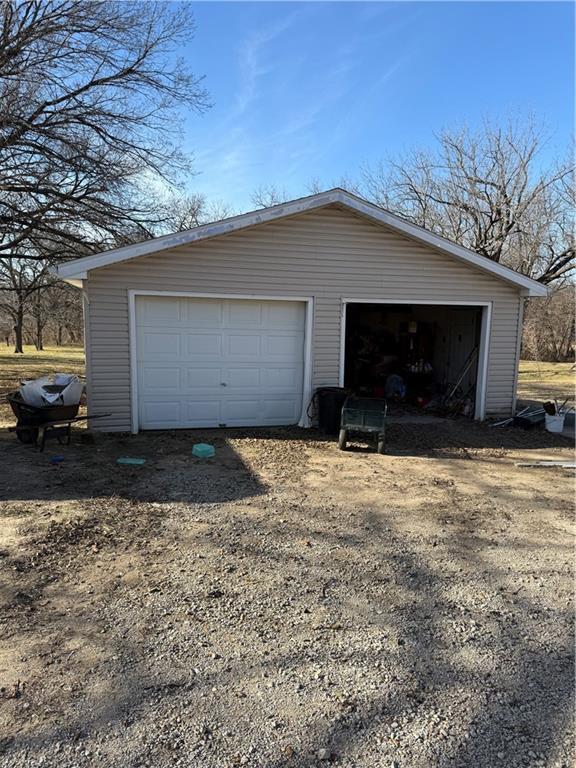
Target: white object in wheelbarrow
(32, 392)
(555, 423)
(63, 379)
(52, 397)
(73, 392)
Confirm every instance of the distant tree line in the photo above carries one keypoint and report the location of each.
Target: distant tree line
(53, 317)
(549, 327)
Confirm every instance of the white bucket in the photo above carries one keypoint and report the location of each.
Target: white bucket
(555, 423)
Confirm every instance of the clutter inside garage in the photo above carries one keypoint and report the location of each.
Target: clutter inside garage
(423, 356)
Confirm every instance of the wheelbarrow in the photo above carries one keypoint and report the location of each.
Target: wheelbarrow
(44, 421)
(364, 416)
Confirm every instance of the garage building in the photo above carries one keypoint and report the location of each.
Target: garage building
(237, 322)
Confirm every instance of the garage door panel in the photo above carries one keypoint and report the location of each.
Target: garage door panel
(279, 411)
(282, 346)
(244, 314)
(199, 345)
(198, 378)
(160, 378)
(156, 345)
(203, 412)
(160, 413)
(282, 378)
(203, 313)
(239, 410)
(154, 309)
(244, 345)
(288, 315)
(209, 362)
(243, 377)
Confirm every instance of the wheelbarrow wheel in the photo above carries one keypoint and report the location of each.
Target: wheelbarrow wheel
(342, 439)
(381, 446)
(27, 435)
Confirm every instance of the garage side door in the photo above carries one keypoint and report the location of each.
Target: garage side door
(214, 362)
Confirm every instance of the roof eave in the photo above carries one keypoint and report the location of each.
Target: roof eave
(538, 290)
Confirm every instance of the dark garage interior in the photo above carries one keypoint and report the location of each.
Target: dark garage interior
(424, 356)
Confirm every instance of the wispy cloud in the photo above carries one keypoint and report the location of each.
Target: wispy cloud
(233, 142)
(252, 63)
(357, 106)
(261, 133)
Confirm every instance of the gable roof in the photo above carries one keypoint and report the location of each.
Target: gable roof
(76, 271)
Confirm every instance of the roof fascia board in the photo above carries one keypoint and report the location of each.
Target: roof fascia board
(75, 279)
(78, 268)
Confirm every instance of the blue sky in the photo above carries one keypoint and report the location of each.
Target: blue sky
(316, 90)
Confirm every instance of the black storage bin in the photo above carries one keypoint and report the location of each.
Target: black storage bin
(329, 402)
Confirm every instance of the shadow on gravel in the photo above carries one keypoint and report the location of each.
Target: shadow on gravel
(97, 675)
(514, 705)
(170, 474)
(439, 640)
(507, 707)
(93, 692)
(526, 701)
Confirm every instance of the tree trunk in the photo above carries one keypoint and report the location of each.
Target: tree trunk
(39, 335)
(19, 326)
(59, 336)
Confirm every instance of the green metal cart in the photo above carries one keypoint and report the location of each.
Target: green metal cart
(363, 415)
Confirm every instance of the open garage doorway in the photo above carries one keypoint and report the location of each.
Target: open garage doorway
(430, 357)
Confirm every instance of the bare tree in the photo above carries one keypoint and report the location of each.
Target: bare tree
(64, 311)
(40, 309)
(90, 93)
(21, 280)
(314, 186)
(268, 195)
(6, 327)
(90, 96)
(487, 191)
(549, 327)
(182, 212)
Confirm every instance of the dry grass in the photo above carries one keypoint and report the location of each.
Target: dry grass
(31, 365)
(543, 381)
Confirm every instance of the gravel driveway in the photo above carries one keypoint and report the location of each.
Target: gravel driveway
(287, 604)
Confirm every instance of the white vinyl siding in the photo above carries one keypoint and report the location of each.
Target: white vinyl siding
(326, 254)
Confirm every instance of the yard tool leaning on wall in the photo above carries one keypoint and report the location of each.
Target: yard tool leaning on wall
(461, 402)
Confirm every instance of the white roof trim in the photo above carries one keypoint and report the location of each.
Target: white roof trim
(78, 269)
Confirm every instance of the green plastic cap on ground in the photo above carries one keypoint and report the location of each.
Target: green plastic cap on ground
(203, 451)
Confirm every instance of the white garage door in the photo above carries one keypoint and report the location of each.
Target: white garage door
(215, 362)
